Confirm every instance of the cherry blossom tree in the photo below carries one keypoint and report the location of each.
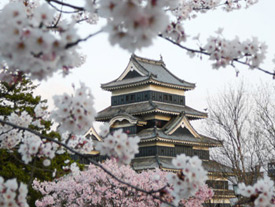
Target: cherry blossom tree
(41, 38)
(16, 98)
(93, 187)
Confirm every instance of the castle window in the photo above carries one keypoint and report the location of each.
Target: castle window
(175, 99)
(160, 97)
(147, 95)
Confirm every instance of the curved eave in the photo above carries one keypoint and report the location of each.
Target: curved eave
(124, 116)
(176, 141)
(155, 111)
(144, 82)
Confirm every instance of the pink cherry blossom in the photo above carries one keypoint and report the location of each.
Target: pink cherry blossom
(98, 189)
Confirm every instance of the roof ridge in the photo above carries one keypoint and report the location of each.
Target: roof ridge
(161, 63)
(139, 66)
(146, 60)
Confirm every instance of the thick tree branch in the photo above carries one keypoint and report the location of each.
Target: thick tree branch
(65, 4)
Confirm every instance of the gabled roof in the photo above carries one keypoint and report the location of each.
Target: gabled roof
(91, 133)
(147, 71)
(147, 107)
(180, 121)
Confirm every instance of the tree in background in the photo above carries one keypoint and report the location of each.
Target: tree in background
(265, 112)
(17, 98)
(236, 118)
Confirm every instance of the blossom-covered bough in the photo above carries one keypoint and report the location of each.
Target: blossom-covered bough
(38, 41)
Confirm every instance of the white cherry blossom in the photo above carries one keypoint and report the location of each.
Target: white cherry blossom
(74, 113)
(190, 177)
(263, 190)
(119, 146)
(13, 194)
(28, 46)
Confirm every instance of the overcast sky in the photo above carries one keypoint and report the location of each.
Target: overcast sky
(105, 62)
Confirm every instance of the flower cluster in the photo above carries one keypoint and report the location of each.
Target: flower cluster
(190, 178)
(78, 142)
(262, 192)
(132, 24)
(204, 193)
(119, 146)
(41, 113)
(237, 4)
(10, 137)
(11, 194)
(176, 32)
(74, 113)
(31, 145)
(186, 9)
(98, 189)
(89, 17)
(223, 51)
(29, 46)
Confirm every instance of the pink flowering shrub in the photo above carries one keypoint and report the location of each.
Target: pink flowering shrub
(94, 187)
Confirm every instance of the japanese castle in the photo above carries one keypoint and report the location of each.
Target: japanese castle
(149, 101)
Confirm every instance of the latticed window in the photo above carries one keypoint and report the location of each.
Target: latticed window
(147, 95)
(217, 184)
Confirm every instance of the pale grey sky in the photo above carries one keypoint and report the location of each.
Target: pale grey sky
(105, 63)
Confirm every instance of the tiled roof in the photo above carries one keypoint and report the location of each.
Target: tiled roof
(149, 107)
(142, 163)
(153, 72)
(184, 137)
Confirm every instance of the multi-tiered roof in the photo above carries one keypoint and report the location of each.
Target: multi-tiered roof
(149, 101)
(147, 91)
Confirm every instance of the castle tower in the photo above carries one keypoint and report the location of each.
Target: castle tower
(149, 101)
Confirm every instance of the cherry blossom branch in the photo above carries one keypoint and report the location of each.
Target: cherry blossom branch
(82, 40)
(151, 193)
(59, 17)
(201, 51)
(61, 11)
(66, 4)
